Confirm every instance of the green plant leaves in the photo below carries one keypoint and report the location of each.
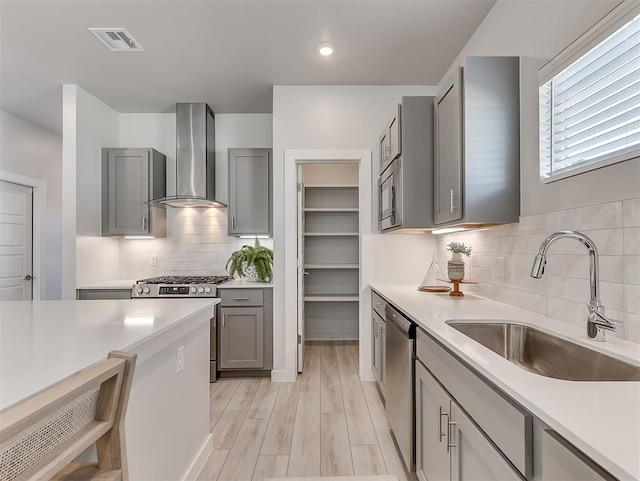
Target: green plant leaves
(261, 258)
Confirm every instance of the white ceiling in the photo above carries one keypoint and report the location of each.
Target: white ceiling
(228, 53)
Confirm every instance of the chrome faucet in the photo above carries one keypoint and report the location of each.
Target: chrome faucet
(597, 323)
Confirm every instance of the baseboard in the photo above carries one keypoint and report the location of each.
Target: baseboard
(200, 460)
(282, 376)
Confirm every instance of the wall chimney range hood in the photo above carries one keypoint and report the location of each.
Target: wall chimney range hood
(195, 159)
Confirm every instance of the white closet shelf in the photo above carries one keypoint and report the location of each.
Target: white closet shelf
(331, 298)
(331, 209)
(331, 266)
(331, 234)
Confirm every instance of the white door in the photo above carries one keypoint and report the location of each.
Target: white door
(301, 271)
(16, 251)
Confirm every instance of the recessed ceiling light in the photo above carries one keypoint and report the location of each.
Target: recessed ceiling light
(117, 39)
(325, 49)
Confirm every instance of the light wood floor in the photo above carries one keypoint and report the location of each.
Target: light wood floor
(326, 423)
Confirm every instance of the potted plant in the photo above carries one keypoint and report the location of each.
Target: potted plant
(455, 267)
(253, 263)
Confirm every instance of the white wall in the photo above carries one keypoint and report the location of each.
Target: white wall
(330, 117)
(30, 151)
(196, 241)
(88, 125)
(603, 203)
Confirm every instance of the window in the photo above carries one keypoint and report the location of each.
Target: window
(589, 99)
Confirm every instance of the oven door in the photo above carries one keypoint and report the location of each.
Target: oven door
(388, 196)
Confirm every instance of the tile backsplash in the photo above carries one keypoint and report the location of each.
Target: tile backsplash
(196, 244)
(502, 258)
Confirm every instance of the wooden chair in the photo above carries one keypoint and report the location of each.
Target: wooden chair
(40, 436)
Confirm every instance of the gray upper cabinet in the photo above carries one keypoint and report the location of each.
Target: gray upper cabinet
(477, 144)
(130, 178)
(250, 204)
(406, 185)
(448, 151)
(391, 140)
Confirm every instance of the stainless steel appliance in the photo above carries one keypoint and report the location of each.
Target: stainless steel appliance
(195, 159)
(185, 286)
(389, 196)
(399, 407)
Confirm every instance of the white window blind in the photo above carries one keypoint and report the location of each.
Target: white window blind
(590, 111)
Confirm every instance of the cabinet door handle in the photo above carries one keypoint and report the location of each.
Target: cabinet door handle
(240, 298)
(441, 413)
(233, 222)
(450, 444)
(224, 316)
(451, 200)
(144, 223)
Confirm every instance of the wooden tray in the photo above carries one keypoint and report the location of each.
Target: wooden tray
(434, 288)
(456, 292)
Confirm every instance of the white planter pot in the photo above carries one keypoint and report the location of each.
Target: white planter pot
(455, 270)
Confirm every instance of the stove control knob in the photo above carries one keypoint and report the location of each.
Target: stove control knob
(207, 290)
(200, 290)
(193, 290)
(139, 290)
(147, 290)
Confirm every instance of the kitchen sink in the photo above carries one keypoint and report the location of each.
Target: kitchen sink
(545, 354)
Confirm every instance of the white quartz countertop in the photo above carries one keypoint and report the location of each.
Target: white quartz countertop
(244, 284)
(117, 284)
(600, 418)
(43, 342)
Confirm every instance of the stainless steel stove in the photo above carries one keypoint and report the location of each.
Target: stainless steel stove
(186, 287)
(178, 286)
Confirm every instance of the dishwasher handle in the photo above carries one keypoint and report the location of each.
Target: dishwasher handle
(394, 316)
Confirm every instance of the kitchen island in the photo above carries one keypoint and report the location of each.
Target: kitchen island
(44, 342)
(601, 419)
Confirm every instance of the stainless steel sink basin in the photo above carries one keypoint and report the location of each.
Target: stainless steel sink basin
(546, 354)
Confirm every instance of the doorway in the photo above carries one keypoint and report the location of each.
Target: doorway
(328, 240)
(16, 241)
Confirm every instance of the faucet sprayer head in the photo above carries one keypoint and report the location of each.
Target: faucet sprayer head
(538, 266)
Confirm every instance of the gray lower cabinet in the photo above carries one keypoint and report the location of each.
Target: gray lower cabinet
(469, 429)
(559, 460)
(378, 342)
(250, 204)
(245, 323)
(241, 337)
(448, 444)
(95, 294)
(130, 179)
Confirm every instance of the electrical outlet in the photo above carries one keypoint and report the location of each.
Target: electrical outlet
(154, 260)
(179, 359)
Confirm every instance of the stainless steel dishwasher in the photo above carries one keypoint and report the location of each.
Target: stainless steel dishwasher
(401, 334)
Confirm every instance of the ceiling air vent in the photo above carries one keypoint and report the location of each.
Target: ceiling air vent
(117, 39)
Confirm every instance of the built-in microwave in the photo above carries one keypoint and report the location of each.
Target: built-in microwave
(389, 192)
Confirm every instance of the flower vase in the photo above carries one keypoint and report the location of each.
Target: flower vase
(455, 267)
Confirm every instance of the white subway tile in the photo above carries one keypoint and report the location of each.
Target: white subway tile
(524, 300)
(568, 311)
(632, 241)
(577, 266)
(632, 270)
(592, 217)
(632, 327)
(631, 212)
(632, 298)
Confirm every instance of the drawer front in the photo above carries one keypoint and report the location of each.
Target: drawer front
(378, 304)
(241, 297)
(504, 422)
(561, 461)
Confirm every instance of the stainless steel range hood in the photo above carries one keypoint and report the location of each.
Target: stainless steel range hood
(195, 158)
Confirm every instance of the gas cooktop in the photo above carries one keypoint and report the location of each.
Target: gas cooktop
(185, 280)
(178, 286)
